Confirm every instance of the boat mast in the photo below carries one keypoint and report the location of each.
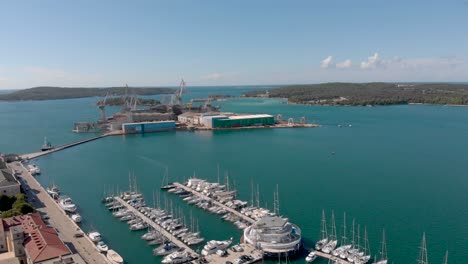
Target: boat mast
(446, 257)
(359, 236)
(129, 182)
(324, 226)
(276, 201)
(333, 227)
(258, 196)
(218, 172)
(383, 253)
(353, 242)
(344, 240)
(366, 243)
(251, 193)
(423, 253)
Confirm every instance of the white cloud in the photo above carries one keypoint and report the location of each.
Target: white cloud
(371, 62)
(326, 62)
(344, 64)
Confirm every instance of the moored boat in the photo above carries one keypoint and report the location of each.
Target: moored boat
(114, 257)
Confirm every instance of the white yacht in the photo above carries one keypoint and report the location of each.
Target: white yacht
(212, 246)
(114, 257)
(95, 237)
(67, 204)
(76, 218)
(177, 257)
(102, 247)
(53, 190)
(311, 257)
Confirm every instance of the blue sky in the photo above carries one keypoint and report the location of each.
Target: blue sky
(104, 43)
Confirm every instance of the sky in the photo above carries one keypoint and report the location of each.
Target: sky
(242, 42)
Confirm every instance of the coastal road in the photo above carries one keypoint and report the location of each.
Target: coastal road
(65, 227)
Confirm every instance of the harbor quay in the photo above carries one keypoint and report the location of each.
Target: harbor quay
(160, 229)
(65, 226)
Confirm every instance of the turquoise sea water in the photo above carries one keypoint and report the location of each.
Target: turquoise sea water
(402, 168)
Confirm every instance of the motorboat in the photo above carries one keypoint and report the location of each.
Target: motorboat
(114, 257)
(159, 240)
(195, 241)
(102, 247)
(95, 237)
(76, 218)
(138, 226)
(311, 257)
(152, 235)
(53, 191)
(213, 245)
(67, 204)
(165, 249)
(178, 257)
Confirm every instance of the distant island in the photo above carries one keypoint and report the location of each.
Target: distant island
(54, 93)
(117, 101)
(365, 94)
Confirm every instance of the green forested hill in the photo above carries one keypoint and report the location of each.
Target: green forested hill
(52, 93)
(371, 93)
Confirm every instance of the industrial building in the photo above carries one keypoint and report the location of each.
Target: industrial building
(148, 127)
(243, 121)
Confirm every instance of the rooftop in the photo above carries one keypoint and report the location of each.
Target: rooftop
(44, 243)
(7, 179)
(250, 116)
(270, 222)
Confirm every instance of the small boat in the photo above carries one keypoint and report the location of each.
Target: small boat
(95, 237)
(114, 257)
(53, 190)
(76, 218)
(46, 146)
(67, 204)
(157, 241)
(195, 241)
(102, 247)
(178, 257)
(212, 246)
(311, 257)
(165, 249)
(138, 226)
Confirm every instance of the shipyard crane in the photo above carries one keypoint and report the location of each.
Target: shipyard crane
(177, 97)
(102, 106)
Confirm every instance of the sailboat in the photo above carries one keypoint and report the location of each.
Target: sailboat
(383, 251)
(423, 252)
(324, 240)
(331, 245)
(165, 183)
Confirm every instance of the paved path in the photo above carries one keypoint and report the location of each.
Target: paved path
(65, 227)
(331, 257)
(168, 235)
(244, 217)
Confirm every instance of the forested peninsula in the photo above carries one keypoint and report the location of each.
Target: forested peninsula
(365, 94)
(53, 93)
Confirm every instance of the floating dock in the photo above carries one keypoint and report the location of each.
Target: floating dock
(160, 229)
(237, 213)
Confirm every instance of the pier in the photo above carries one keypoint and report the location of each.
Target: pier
(331, 257)
(168, 235)
(237, 213)
(65, 226)
(59, 148)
